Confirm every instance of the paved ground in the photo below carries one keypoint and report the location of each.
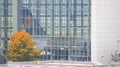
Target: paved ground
(59, 64)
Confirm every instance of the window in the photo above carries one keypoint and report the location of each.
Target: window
(78, 19)
(42, 10)
(72, 1)
(85, 1)
(49, 10)
(64, 21)
(33, 2)
(57, 1)
(78, 1)
(57, 9)
(42, 21)
(72, 10)
(56, 30)
(1, 1)
(64, 31)
(20, 23)
(49, 22)
(79, 31)
(57, 21)
(49, 1)
(85, 33)
(85, 21)
(24, 1)
(64, 1)
(10, 21)
(42, 1)
(49, 31)
(2, 11)
(34, 11)
(64, 10)
(78, 10)
(9, 1)
(85, 10)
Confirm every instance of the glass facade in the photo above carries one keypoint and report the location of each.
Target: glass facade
(9, 16)
(5, 25)
(61, 28)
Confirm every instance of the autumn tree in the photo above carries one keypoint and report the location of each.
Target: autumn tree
(21, 47)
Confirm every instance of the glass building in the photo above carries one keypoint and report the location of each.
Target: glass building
(6, 21)
(9, 16)
(61, 28)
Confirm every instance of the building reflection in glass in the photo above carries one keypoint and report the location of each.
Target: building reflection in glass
(61, 28)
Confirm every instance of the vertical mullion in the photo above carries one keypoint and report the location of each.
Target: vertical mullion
(60, 23)
(53, 18)
(82, 18)
(89, 37)
(46, 16)
(74, 19)
(68, 16)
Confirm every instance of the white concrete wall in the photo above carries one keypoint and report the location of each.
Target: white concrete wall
(105, 28)
(15, 15)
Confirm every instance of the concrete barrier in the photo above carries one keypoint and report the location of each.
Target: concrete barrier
(60, 64)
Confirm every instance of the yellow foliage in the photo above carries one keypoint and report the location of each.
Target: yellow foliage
(23, 50)
(21, 47)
